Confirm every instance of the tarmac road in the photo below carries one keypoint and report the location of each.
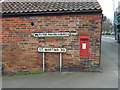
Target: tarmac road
(106, 79)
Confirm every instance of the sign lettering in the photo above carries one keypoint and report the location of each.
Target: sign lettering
(51, 49)
(51, 34)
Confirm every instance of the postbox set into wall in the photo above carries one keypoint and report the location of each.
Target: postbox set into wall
(84, 46)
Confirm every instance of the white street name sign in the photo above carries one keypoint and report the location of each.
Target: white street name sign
(51, 49)
(51, 34)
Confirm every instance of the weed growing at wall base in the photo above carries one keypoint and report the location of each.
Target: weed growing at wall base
(28, 73)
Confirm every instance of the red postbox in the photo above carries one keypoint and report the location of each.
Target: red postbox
(84, 46)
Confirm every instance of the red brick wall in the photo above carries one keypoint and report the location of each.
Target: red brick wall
(20, 47)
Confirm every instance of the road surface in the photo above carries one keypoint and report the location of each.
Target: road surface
(106, 79)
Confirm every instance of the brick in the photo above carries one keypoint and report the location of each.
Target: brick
(22, 48)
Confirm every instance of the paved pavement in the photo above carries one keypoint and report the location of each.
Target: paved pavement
(107, 79)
